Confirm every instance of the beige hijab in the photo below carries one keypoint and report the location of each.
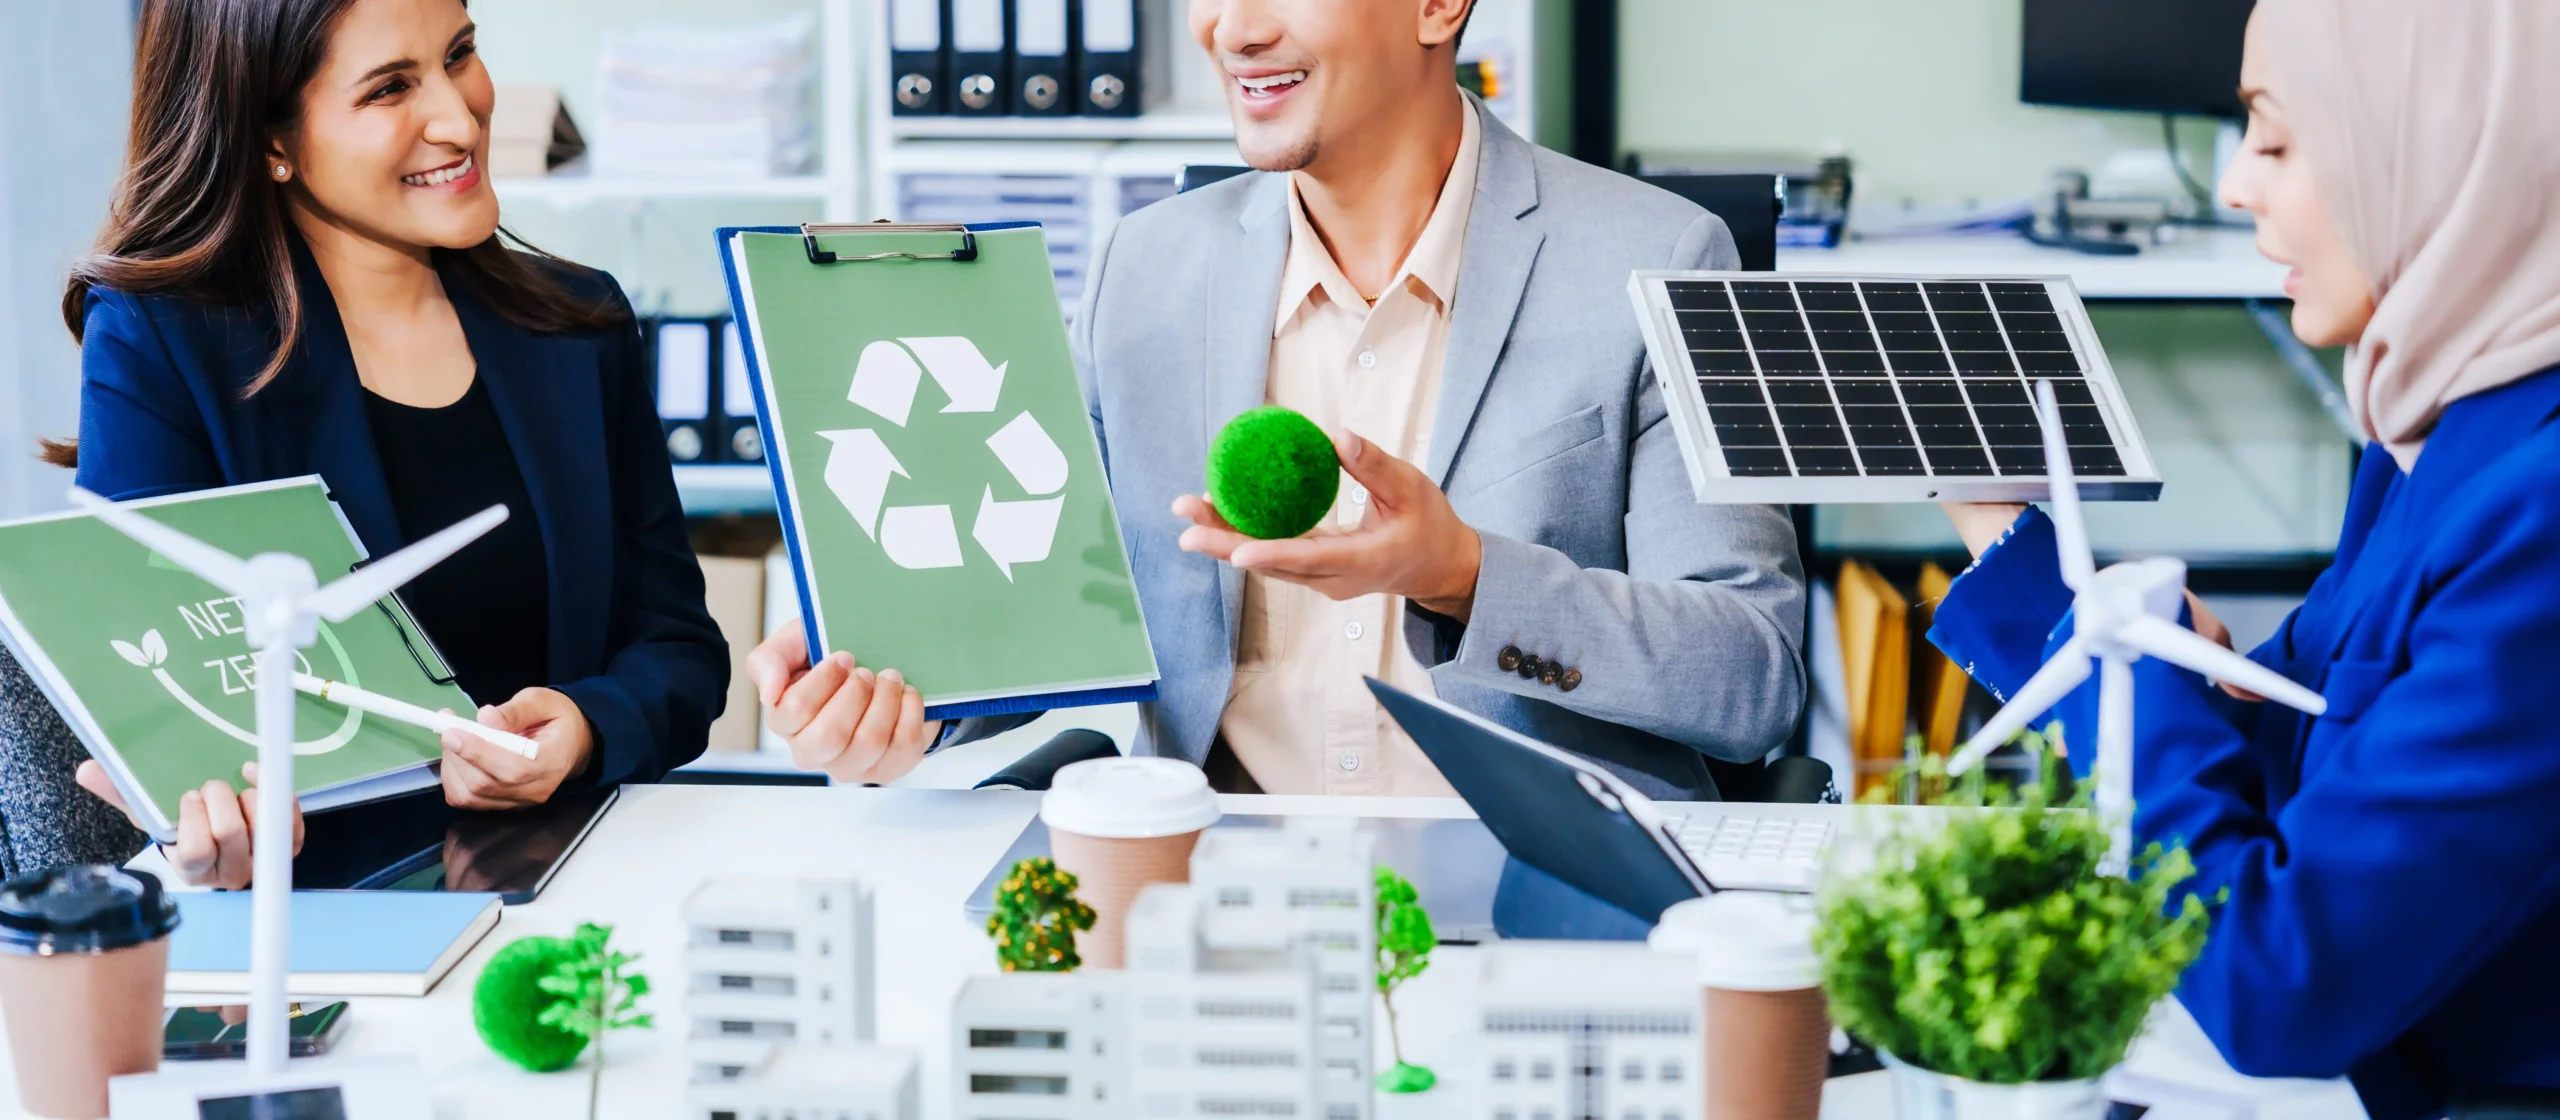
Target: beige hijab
(2433, 131)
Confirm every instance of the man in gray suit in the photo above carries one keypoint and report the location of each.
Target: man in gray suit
(1517, 534)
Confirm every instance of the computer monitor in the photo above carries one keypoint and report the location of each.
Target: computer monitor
(2152, 56)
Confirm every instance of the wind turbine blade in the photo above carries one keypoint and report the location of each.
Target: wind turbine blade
(341, 600)
(2177, 645)
(2073, 537)
(2069, 667)
(219, 568)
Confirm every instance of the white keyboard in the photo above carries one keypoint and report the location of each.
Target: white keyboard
(1748, 853)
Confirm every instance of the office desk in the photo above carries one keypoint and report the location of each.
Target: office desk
(922, 851)
(2203, 264)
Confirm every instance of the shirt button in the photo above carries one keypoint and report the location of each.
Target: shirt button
(1509, 659)
(1572, 679)
(1353, 630)
(1359, 495)
(1350, 761)
(1529, 663)
(1368, 359)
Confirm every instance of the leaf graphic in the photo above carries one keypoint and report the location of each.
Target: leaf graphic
(153, 647)
(132, 656)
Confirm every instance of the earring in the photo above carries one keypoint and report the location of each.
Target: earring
(281, 172)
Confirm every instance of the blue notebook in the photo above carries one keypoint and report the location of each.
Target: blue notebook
(345, 943)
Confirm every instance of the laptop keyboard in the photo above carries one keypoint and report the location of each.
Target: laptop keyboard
(1738, 852)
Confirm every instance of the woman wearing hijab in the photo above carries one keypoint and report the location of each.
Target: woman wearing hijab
(2393, 866)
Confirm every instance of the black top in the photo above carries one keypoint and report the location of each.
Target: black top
(488, 608)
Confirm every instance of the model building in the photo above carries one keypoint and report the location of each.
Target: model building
(779, 1005)
(1247, 993)
(1586, 1029)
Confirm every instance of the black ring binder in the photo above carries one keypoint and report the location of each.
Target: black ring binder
(967, 252)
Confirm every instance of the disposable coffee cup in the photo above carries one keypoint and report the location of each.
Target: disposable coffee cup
(1118, 825)
(1768, 1028)
(84, 959)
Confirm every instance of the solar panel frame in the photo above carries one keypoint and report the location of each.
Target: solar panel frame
(1819, 361)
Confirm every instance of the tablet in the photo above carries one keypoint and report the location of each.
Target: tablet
(417, 842)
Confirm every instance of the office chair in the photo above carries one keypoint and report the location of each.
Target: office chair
(1749, 204)
(1038, 768)
(1197, 175)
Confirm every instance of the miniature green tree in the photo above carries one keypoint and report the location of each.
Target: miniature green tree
(1036, 918)
(595, 994)
(1404, 950)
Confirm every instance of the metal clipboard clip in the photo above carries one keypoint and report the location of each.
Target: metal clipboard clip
(967, 252)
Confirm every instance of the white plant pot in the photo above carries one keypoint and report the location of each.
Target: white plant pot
(1919, 1094)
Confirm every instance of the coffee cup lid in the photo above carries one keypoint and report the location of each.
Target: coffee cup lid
(1745, 941)
(91, 908)
(1129, 798)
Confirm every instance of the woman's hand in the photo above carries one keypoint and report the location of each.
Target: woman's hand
(840, 718)
(1981, 523)
(481, 775)
(216, 827)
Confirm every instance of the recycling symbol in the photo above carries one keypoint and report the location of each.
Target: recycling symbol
(860, 464)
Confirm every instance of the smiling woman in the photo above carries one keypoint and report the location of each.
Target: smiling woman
(303, 273)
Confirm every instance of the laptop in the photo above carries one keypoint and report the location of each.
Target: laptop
(1572, 819)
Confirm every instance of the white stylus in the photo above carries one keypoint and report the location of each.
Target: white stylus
(381, 705)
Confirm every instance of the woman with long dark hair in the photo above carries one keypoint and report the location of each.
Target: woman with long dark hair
(302, 273)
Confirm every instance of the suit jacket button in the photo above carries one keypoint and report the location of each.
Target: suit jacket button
(1508, 659)
(1547, 673)
(1572, 679)
(1529, 665)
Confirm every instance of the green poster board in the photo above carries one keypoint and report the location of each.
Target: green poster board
(151, 665)
(941, 489)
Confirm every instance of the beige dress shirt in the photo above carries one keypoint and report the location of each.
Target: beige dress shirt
(1298, 716)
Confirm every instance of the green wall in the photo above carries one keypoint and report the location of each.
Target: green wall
(1924, 93)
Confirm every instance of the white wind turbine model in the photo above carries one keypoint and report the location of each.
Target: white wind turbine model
(282, 603)
(2124, 613)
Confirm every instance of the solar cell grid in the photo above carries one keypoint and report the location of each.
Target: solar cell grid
(1843, 378)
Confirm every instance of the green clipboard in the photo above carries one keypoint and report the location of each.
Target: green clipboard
(939, 485)
(150, 665)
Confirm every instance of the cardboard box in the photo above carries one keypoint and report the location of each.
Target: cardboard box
(530, 133)
(734, 591)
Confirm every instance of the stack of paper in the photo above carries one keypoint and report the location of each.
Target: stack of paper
(707, 102)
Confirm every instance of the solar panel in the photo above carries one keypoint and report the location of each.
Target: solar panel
(1837, 388)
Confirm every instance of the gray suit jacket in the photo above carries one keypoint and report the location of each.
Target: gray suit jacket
(1685, 620)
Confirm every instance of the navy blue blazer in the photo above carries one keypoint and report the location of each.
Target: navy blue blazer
(631, 642)
(2393, 865)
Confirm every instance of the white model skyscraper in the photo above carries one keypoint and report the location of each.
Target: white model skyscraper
(778, 1005)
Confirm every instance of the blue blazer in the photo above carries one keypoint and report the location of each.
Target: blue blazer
(2394, 865)
(631, 642)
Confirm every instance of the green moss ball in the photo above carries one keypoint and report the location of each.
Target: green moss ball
(509, 999)
(1273, 473)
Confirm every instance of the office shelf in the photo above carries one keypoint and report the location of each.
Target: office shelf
(575, 190)
(2207, 264)
(1176, 125)
(725, 488)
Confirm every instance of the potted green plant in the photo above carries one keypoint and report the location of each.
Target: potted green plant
(1988, 959)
